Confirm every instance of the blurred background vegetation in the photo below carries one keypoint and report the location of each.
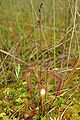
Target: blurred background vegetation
(21, 36)
(41, 34)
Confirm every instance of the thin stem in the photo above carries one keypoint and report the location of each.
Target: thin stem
(54, 34)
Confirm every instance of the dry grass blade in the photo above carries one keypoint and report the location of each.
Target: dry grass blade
(65, 110)
(7, 53)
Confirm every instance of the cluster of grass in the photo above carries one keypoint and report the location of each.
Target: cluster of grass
(39, 60)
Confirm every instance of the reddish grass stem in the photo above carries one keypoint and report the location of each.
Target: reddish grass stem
(71, 74)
